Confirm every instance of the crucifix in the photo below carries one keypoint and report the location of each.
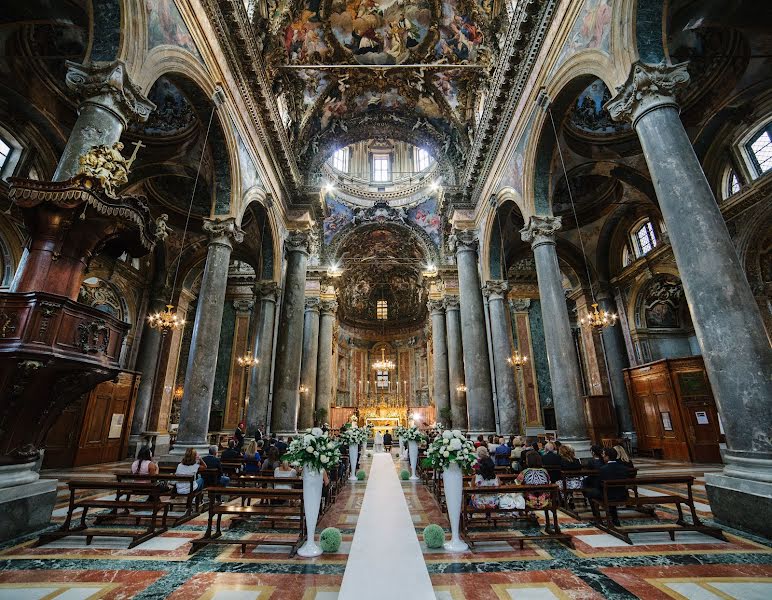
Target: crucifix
(137, 145)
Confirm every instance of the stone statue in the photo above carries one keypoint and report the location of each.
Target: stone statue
(161, 227)
(107, 165)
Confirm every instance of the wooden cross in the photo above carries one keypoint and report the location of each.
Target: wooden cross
(137, 146)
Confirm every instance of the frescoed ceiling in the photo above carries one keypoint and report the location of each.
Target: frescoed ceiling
(426, 102)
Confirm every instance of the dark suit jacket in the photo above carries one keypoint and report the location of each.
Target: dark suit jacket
(551, 462)
(212, 462)
(387, 439)
(612, 471)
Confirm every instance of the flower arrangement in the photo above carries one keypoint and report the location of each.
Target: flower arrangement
(452, 447)
(413, 434)
(314, 450)
(399, 431)
(439, 427)
(353, 435)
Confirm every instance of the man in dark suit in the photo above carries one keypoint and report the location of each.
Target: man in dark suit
(212, 462)
(612, 470)
(230, 453)
(550, 460)
(258, 433)
(281, 446)
(387, 441)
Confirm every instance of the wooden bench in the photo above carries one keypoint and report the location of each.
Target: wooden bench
(287, 515)
(623, 533)
(471, 516)
(192, 501)
(569, 496)
(153, 503)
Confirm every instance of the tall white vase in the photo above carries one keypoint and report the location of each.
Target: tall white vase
(312, 500)
(401, 449)
(412, 446)
(353, 454)
(453, 481)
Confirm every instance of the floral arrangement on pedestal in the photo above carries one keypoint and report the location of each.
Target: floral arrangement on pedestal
(399, 431)
(439, 427)
(452, 447)
(412, 434)
(314, 449)
(353, 435)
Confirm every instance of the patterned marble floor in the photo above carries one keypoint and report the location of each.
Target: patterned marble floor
(599, 566)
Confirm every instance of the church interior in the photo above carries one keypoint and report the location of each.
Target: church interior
(533, 220)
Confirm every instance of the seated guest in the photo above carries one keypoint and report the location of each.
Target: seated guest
(144, 464)
(480, 441)
(612, 470)
(517, 450)
(501, 454)
(551, 461)
(482, 452)
(624, 458)
(281, 445)
(491, 445)
(189, 465)
(486, 477)
(252, 459)
(284, 470)
(212, 462)
(230, 453)
(534, 474)
(569, 462)
(272, 461)
(595, 462)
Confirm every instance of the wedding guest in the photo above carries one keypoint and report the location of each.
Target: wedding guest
(486, 477)
(238, 436)
(144, 465)
(190, 465)
(213, 463)
(569, 462)
(230, 453)
(252, 459)
(534, 474)
(624, 458)
(283, 471)
(502, 453)
(272, 461)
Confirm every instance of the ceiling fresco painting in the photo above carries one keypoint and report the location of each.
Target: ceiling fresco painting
(173, 115)
(588, 114)
(165, 26)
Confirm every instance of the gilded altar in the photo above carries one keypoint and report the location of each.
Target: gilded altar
(383, 418)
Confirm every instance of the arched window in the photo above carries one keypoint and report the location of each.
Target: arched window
(382, 310)
(732, 183)
(422, 159)
(760, 150)
(5, 152)
(644, 238)
(340, 160)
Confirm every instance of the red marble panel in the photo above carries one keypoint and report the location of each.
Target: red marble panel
(130, 583)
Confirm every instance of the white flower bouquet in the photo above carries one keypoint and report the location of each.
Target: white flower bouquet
(412, 434)
(452, 447)
(353, 435)
(314, 450)
(399, 431)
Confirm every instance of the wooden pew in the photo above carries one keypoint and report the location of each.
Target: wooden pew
(192, 501)
(668, 498)
(153, 503)
(287, 515)
(471, 516)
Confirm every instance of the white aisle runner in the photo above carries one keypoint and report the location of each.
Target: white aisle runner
(385, 561)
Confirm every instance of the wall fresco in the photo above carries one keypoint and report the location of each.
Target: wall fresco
(165, 26)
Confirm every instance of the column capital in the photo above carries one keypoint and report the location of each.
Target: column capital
(298, 240)
(648, 87)
(108, 85)
(223, 232)
(495, 289)
(463, 240)
(312, 303)
(520, 304)
(243, 304)
(540, 230)
(328, 307)
(267, 291)
(450, 301)
(436, 307)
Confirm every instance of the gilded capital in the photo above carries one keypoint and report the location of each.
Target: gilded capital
(312, 303)
(495, 290)
(450, 302)
(647, 87)
(435, 306)
(267, 290)
(298, 240)
(108, 85)
(540, 230)
(328, 307)
(223, 232)
(463, 240)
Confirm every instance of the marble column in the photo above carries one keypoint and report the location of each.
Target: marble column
(458, 409)
(439, 358)
(561, 357)
(289, 345)
(267, 293)
(479, 394)
(309, 363)
(729, 327)
(202, 362)
(617, 360)
(501, 342)
(108, 102)
(324, 378)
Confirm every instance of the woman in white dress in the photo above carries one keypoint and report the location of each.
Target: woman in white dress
(378, 443)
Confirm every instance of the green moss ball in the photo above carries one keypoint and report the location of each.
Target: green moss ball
(330, 539)
(434, 536)
(404, 475)
(360, 475)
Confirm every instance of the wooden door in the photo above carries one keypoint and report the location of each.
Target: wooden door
(700, 415)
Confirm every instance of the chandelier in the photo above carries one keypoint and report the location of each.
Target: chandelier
(383, 364)
(166, 320)
(517, 359)
(598, 319)
(461, 389)
(247, 360)
(303, 389)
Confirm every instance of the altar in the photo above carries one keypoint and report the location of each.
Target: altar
(383, 424)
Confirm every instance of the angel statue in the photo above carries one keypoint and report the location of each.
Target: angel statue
(107, 165)
(161, 227)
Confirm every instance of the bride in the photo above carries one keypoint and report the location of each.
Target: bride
(378, 442)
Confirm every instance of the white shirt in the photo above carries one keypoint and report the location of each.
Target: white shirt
(278, 473)
(187, 471)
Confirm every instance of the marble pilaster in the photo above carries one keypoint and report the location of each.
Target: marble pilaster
(309, 363)
(267, 293)
(439, 357)
(458, 408)
(563, 366)
(324, 370)
(727, 322)
(508, 405)
(289, 344)
(617, 360)
(202, 362)
(108, 102)
(479, 394)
